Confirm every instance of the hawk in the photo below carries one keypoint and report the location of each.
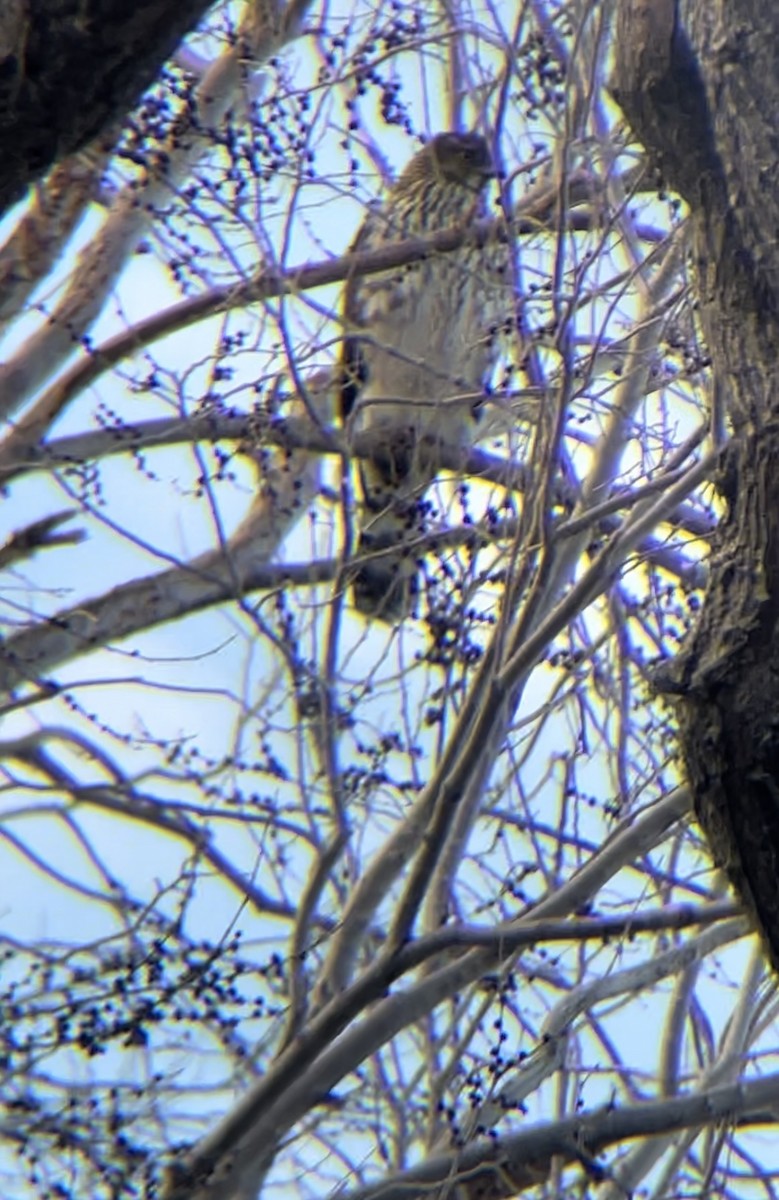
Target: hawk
(420, 341)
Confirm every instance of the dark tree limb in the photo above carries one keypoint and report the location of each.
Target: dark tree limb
(699, 82)
(69, 68)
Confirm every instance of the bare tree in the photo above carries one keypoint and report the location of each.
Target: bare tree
(299, 899)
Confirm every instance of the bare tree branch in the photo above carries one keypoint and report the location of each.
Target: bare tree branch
(261, 33)
(510, 1164)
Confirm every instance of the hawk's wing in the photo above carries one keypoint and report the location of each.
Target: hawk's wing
(367, 299)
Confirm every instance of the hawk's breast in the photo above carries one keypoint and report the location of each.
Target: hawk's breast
(428, 338)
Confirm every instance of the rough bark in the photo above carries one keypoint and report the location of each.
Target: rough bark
(68, 68)
(699, 82)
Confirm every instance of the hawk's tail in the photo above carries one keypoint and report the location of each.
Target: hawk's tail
(386, 583)
(385, 587)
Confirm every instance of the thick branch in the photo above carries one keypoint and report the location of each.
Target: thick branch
(700, 82)
(503, 1167)
(68, 68)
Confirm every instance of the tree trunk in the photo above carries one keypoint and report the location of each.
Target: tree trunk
(699, 82)
(70, 67)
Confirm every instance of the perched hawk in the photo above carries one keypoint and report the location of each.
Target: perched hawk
(420, 342)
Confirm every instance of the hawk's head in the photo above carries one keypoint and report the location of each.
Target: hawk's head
(462, 158)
